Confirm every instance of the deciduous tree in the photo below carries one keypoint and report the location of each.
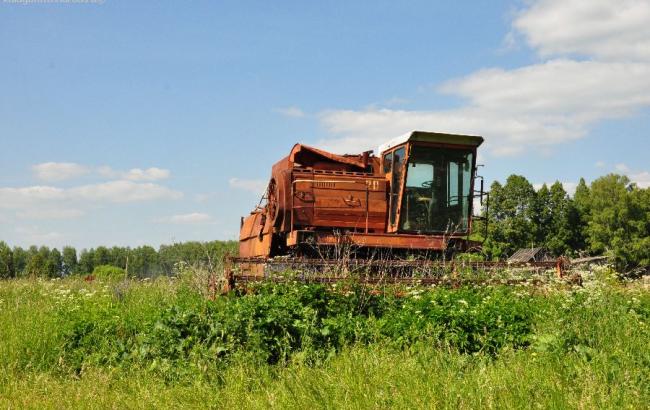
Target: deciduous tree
(69, 260)
(6, 262)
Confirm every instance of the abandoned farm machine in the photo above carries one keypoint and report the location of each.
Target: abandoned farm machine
(398, 216)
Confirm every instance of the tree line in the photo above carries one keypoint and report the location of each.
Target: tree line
(143, 261)
(611, 216)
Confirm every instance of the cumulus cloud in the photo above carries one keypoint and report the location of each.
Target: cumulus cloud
(292, 112)
(59, 171)
(536, 106)
(123, 191)
(135, 174)
(255, 186)
(539, 105)
(33, 234)
(114, 191)
(50, 213)
(641, 178)
(558, 91)
(507, 135)
(622, 168)
(191, 218)
(14, 198)
(605, 29)
(52, 202)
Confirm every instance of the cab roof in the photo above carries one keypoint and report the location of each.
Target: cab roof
(425, 136)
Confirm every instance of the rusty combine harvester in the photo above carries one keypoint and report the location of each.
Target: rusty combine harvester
(407, 210)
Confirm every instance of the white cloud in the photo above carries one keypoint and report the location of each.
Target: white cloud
(622, 168)
(15, 198)
(570, 187)
(135, 174)
(537, 106)
(605, 29)
(292, 112)
(506, 135)
(59, 171)
(123, 191)
(46, 202)
(558, 91)
(50, 213)
(191, 218)
(600, 164)
(641, 178)
(43, 197)
(256, 186)
(34, 235)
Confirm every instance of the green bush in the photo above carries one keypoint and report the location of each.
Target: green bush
(108, 272)
(277, 323)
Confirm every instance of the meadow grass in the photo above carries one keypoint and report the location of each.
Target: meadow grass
(145, 344)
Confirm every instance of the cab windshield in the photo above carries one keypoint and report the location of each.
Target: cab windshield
(437, 190)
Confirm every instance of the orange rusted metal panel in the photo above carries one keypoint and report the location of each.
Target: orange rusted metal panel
(370, 240)
(361, 197)
(254, 237)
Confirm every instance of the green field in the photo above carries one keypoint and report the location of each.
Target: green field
(159, 343)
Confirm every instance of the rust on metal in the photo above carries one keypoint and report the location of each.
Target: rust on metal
(420, 272)
(420, 263)
(395, 217)
(415, 196)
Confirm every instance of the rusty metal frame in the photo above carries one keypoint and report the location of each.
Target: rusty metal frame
(394, 228)
(359, 182)
(372, 240)
(307, 165)
(443, 273)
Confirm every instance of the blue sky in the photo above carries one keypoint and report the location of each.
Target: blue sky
(128, 123)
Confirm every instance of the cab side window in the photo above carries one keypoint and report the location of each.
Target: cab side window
(388, 162)
(395, 184)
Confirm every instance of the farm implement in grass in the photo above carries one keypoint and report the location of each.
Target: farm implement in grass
(240, 271)
(399, 217)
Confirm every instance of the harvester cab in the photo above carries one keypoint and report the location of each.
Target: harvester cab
(431, 182)
(414, 197)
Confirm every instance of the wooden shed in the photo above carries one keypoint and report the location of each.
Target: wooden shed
(526, 255)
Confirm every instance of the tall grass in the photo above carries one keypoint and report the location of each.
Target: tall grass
(144, 344)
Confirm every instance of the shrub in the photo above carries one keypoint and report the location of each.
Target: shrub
(279, 322)
(108, 272)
